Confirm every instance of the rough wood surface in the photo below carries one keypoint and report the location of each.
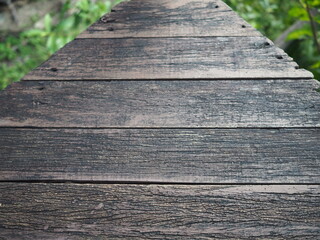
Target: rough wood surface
(168, 58)
(187, 74)
(70, 211)
(167, 18)
(161, 155)
(217, 104)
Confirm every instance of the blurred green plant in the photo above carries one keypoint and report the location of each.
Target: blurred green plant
(305, 48)
(20, 54)
(275, 17)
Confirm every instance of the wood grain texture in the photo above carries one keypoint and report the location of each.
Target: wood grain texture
(184, 131)
(166, 18)
(70, 211)
(153, 104)
(168, 58)
(161, 155)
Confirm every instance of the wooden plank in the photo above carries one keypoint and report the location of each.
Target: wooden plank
(154, 104)
(161, 155)
(168, 58)
(167, 18)
(71, 211)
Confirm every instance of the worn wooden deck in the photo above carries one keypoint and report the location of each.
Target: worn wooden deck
(163, 120)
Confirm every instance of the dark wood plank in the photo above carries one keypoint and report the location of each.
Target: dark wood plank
(168, 58)
(153, 104)
(70, 211)
(161, 155)
(167, 18)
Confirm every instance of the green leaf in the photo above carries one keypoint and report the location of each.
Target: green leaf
(66, 24)
(47, 22)
(297, 12)
(34, 33)
(316, 65)
(299, 34)
(51, 44)
(83, 5)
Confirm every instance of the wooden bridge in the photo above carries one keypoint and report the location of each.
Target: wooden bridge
(163, 120)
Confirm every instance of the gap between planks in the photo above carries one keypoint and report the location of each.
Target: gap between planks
(142, 183)
(157, 128)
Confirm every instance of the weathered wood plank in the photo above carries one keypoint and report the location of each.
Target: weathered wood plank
(153, 104)
(70, 211)
(168, 58)
(167, 18)
(161, 155)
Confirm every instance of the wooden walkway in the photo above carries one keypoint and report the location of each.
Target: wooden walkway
(164, 120)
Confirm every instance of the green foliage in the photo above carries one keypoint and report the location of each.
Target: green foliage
(20, 54)
(268, 16)
(306, 46)
(273, 17)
